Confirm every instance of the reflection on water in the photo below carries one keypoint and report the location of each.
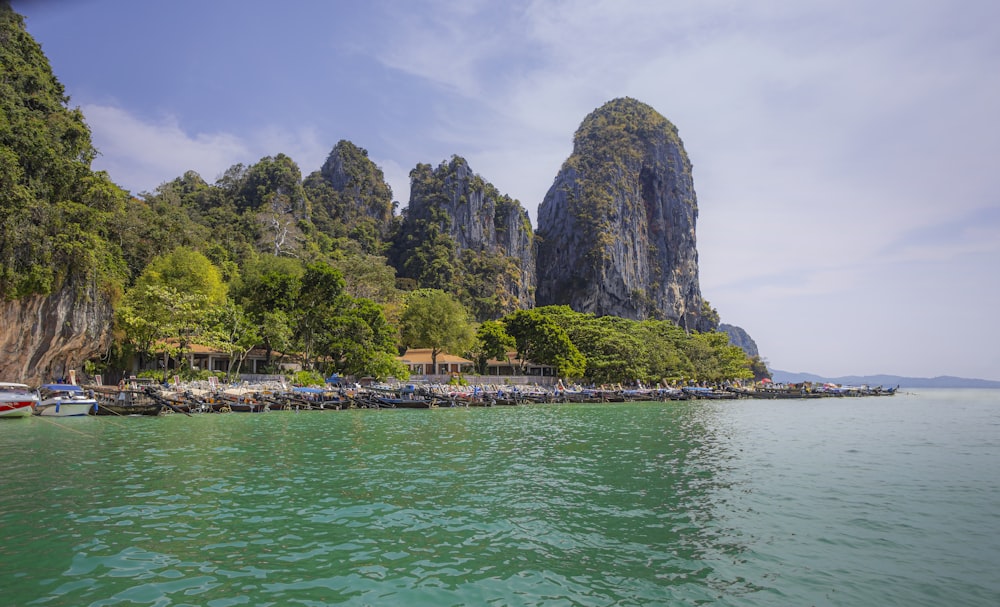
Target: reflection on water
(632, 504)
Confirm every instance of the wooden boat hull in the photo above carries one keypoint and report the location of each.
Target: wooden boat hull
(125, 409)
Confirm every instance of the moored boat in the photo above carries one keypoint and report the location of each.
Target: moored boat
(64, 400)
(125, 402)
(17, 400)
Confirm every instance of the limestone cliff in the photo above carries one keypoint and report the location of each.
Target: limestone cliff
(616, 231)
(60, 222)
(350, 196)
(460, 234)
(43, 337)
(740, 338)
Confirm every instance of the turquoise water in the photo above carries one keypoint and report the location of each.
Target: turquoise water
(874, 501)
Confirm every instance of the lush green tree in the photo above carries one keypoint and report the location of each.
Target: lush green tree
(232, 331)
(141, 318)
(436, 320)
(613, 349)
(541, 340)
(268, 289)
(186, 270)
(714, 359)
(157, 318)
(492, 342)
(338, 332)
(55, 212)
(365, 344)
(318, 309)
(667, 361)
(167, 308)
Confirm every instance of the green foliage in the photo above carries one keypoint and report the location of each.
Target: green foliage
(350, 197)
(617, 350)
(321, 299)
(186, 270)
(55, 213)
(436, 320)
(272, 177)
(492, 342)
(268, 290)
(541, 340)
(229, 329)
(308, 378)
(157, 318)
(437, 254)
(335, 331)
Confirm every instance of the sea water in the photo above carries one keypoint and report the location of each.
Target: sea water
(846, 501)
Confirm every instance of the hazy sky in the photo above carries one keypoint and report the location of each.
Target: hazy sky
(845, 151)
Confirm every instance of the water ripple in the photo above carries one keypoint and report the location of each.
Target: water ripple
(642, 504)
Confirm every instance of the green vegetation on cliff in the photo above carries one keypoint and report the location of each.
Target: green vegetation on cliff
(607, 147)
(350, 198)
(455, 235)
(264, 258)
(56, 215)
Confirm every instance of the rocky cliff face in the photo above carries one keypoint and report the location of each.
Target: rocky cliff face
(616, 231)
(740, 338)
(43, 337)
(459, 230)
(360, 182)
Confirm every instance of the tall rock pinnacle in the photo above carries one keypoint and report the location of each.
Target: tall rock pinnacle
(616, 231)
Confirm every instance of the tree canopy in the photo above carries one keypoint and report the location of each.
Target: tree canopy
(56, 214)
(317, 267)
(436, 320)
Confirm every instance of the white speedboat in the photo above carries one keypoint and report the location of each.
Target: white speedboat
(17, 400)
(64, 400)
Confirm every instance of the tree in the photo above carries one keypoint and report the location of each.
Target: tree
(157, 318)
(612, 348)
(186, 270)
(269, 290)
(231, 330)
(714, 359)
(667, 360)
(168, 305)
(540, 340)
(366, 344)
(492, 341)
(321, 300)
(436, 320)
(55, 212)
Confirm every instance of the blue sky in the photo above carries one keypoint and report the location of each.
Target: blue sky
(845, 152)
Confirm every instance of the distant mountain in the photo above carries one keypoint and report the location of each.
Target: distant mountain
(942, 381)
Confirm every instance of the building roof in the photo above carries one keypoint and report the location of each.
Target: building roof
(422, 356)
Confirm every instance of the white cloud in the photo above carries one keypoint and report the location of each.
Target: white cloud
(836, 144)
(140, 155)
